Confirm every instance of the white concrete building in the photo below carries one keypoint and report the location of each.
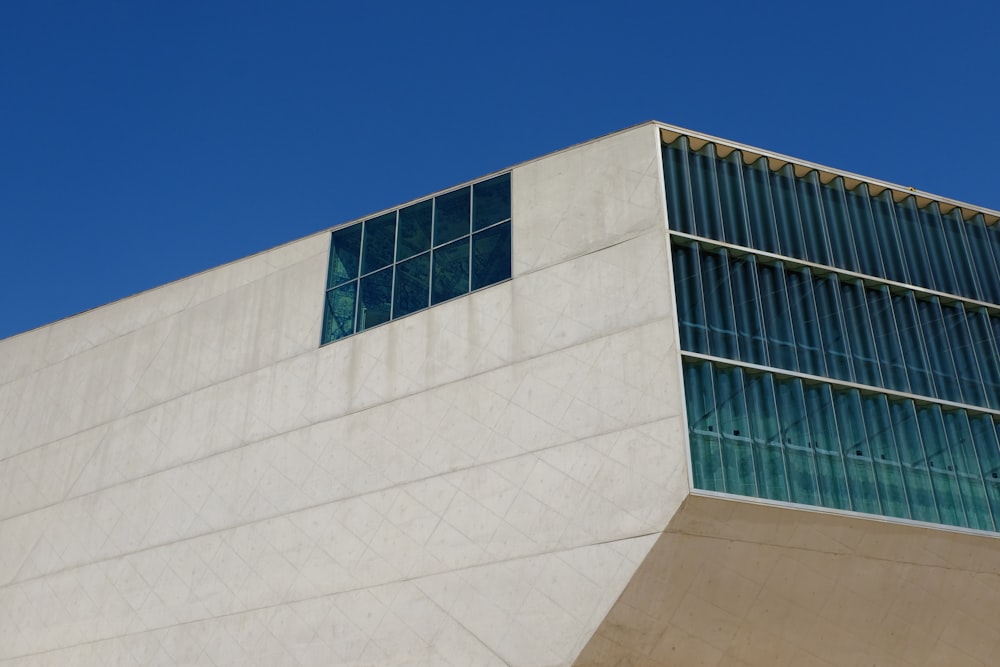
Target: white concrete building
(188, 477)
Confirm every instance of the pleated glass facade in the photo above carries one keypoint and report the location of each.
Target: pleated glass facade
(841, 347)
(406, 260)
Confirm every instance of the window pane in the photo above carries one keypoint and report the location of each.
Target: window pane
(765, 429)
(680, 215)
(708, 214)
(706, 452)
(451, 271)
(786, 212)
(813, 223)
(734, 214)
(737, 455)
(799, 446)
(719, 305)
(839, 225)
(451, 215)
(884, 456)
(380, 238)
(414, 229)
(345, 247)
(763, 229)
(413, 279)
(939, 463)
(376, 295)
(338, 316)
(490, 201)
(825, 444)
(690, 305)
(857, 456)
(491, 256)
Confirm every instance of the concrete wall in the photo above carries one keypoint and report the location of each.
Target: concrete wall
(185, 477)
(738, 584)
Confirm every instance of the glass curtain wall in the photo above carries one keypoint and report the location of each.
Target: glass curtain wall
(741, 200)
(763, 422)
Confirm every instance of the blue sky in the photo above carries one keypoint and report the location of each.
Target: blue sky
(143, 142)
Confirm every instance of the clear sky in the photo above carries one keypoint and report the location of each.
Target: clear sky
(141, 142)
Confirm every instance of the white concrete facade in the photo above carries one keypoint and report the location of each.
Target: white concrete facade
(186, 477)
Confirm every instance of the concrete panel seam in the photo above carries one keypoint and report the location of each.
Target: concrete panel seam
(15, 580)
(154, 321)
(605, 334)
(346, 591)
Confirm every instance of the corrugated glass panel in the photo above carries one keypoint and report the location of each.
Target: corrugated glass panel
(857, 454)
(970, 477)
(706, 446)
(913, 459)
(986, 264)
(733, 199)
(718, 298)
(859, 333)
(680, 212)
(814, 231)
(918, 369)
(838, 221)
(866, 237)
(763, 227)
(887, 342)
(830, 469)
(690, 305)
(777, 318)
(704, 187)
(941, 467)
(805, 323)
(884, 457)
(786, 212)
(749, 319)
(765, 429)
(803, 485)
(734, 429)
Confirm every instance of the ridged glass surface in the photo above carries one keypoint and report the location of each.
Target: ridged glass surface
(771, 433)
(751, 308)
(776, 211)
(757, 434)
(388, 267)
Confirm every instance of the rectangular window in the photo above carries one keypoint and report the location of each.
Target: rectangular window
(400, 262)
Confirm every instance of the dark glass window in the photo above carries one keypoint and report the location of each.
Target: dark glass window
(401, 262)
(450, 269)
(451, 216)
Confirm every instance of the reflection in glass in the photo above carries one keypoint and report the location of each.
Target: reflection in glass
(450, 271)
(345, 247)
(491, 256)
(375, 299)
(380, 239)
(414, 229)
(756, 434)
(451, 215)
(490, 201)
